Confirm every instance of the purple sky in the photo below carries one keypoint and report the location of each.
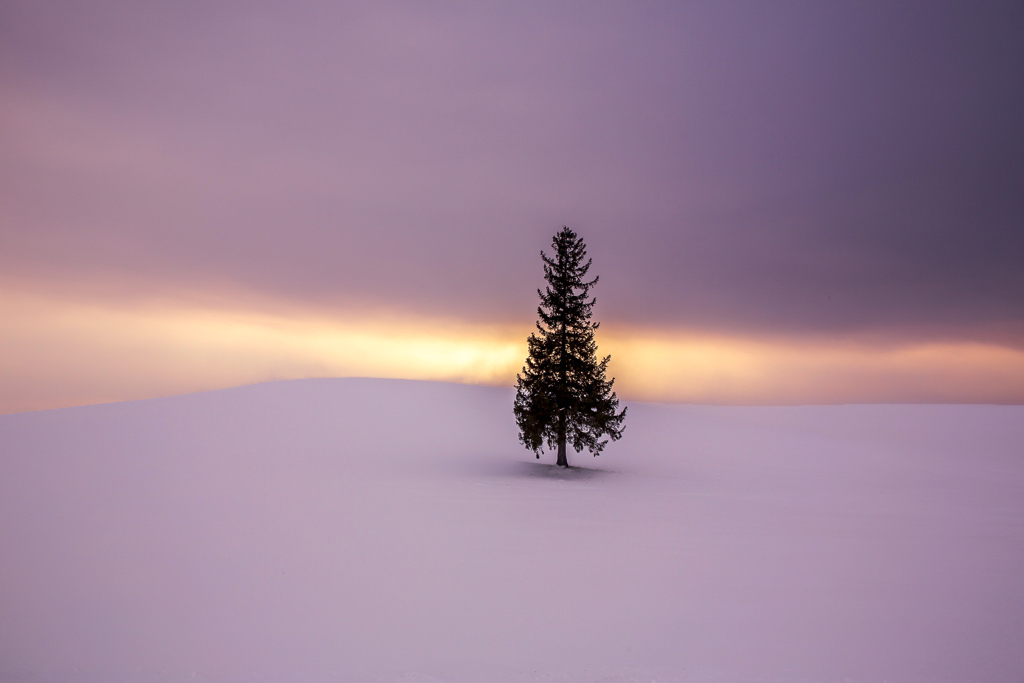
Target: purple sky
(772, 168)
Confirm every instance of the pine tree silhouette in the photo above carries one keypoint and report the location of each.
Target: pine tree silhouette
(562, 394)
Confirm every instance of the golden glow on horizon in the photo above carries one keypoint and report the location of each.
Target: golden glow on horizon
(60, 353)
(712, 369)
(55, 353)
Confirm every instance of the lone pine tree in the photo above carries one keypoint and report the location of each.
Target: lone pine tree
(562, 394)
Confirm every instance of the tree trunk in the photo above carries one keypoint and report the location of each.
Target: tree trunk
(562, 460)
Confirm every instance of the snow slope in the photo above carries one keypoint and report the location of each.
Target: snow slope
(385, 530)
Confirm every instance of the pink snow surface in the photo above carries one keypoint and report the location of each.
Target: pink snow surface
(384, 530)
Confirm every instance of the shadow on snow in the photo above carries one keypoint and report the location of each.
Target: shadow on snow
(538, 470)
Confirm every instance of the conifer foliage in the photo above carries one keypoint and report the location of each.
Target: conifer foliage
(562, 394)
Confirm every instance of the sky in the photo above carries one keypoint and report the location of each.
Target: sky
(785, 202)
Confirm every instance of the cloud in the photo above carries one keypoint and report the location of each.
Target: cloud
(755, 172)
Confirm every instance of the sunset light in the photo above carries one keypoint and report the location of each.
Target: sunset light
(67, 352)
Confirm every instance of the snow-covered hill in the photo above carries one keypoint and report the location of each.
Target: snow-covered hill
(379, 530)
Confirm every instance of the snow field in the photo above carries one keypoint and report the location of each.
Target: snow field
(386, 530)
